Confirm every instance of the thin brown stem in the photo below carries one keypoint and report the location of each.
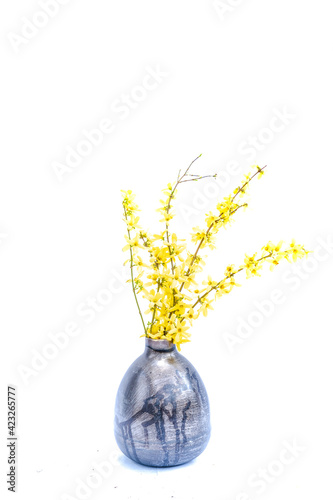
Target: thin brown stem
(215, 287)
(154, 311)
(202, 240)
(179, 181)
(198, 178)
(245, 183)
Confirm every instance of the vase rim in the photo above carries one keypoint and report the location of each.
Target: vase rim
(159, 344)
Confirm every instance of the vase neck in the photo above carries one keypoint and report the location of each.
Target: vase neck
(159, 345)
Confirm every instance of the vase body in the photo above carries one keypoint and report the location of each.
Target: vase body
(162, 413)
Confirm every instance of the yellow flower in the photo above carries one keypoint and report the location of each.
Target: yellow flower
(189, 280)
(167, 217)
(232, 282)
(191, 315)
(261, 172)
(198, 234)
(175, 249)
(168, 189)
(211, 218)
(197, 291)
(157, 237)
(277, 247)
(128, 195)
(139, 262)
(156, 335)
(274, 261)
(296, 251)
(251, 266)
(154, 276)
(229, 271)
(269, 247)
(132, 222)
(179, 331)
(178, 309)
(178, 277)
(206, 304)
(133, 243)
(209, 282)
(222, 289)
(154, 299)
(128, 202)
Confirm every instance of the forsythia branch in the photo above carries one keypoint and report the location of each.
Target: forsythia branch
(167, 278)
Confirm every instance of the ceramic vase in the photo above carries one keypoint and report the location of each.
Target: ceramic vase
(162, 414)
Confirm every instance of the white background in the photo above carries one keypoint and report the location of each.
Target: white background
(225, 76)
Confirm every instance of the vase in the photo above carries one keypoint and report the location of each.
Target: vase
(162, 416)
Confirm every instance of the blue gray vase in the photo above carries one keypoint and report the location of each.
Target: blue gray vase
(162, 410)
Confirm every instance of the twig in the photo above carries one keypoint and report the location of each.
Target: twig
(179, 181)
(215, 287)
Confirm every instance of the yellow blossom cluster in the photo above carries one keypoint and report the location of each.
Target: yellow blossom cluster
(164, 272)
